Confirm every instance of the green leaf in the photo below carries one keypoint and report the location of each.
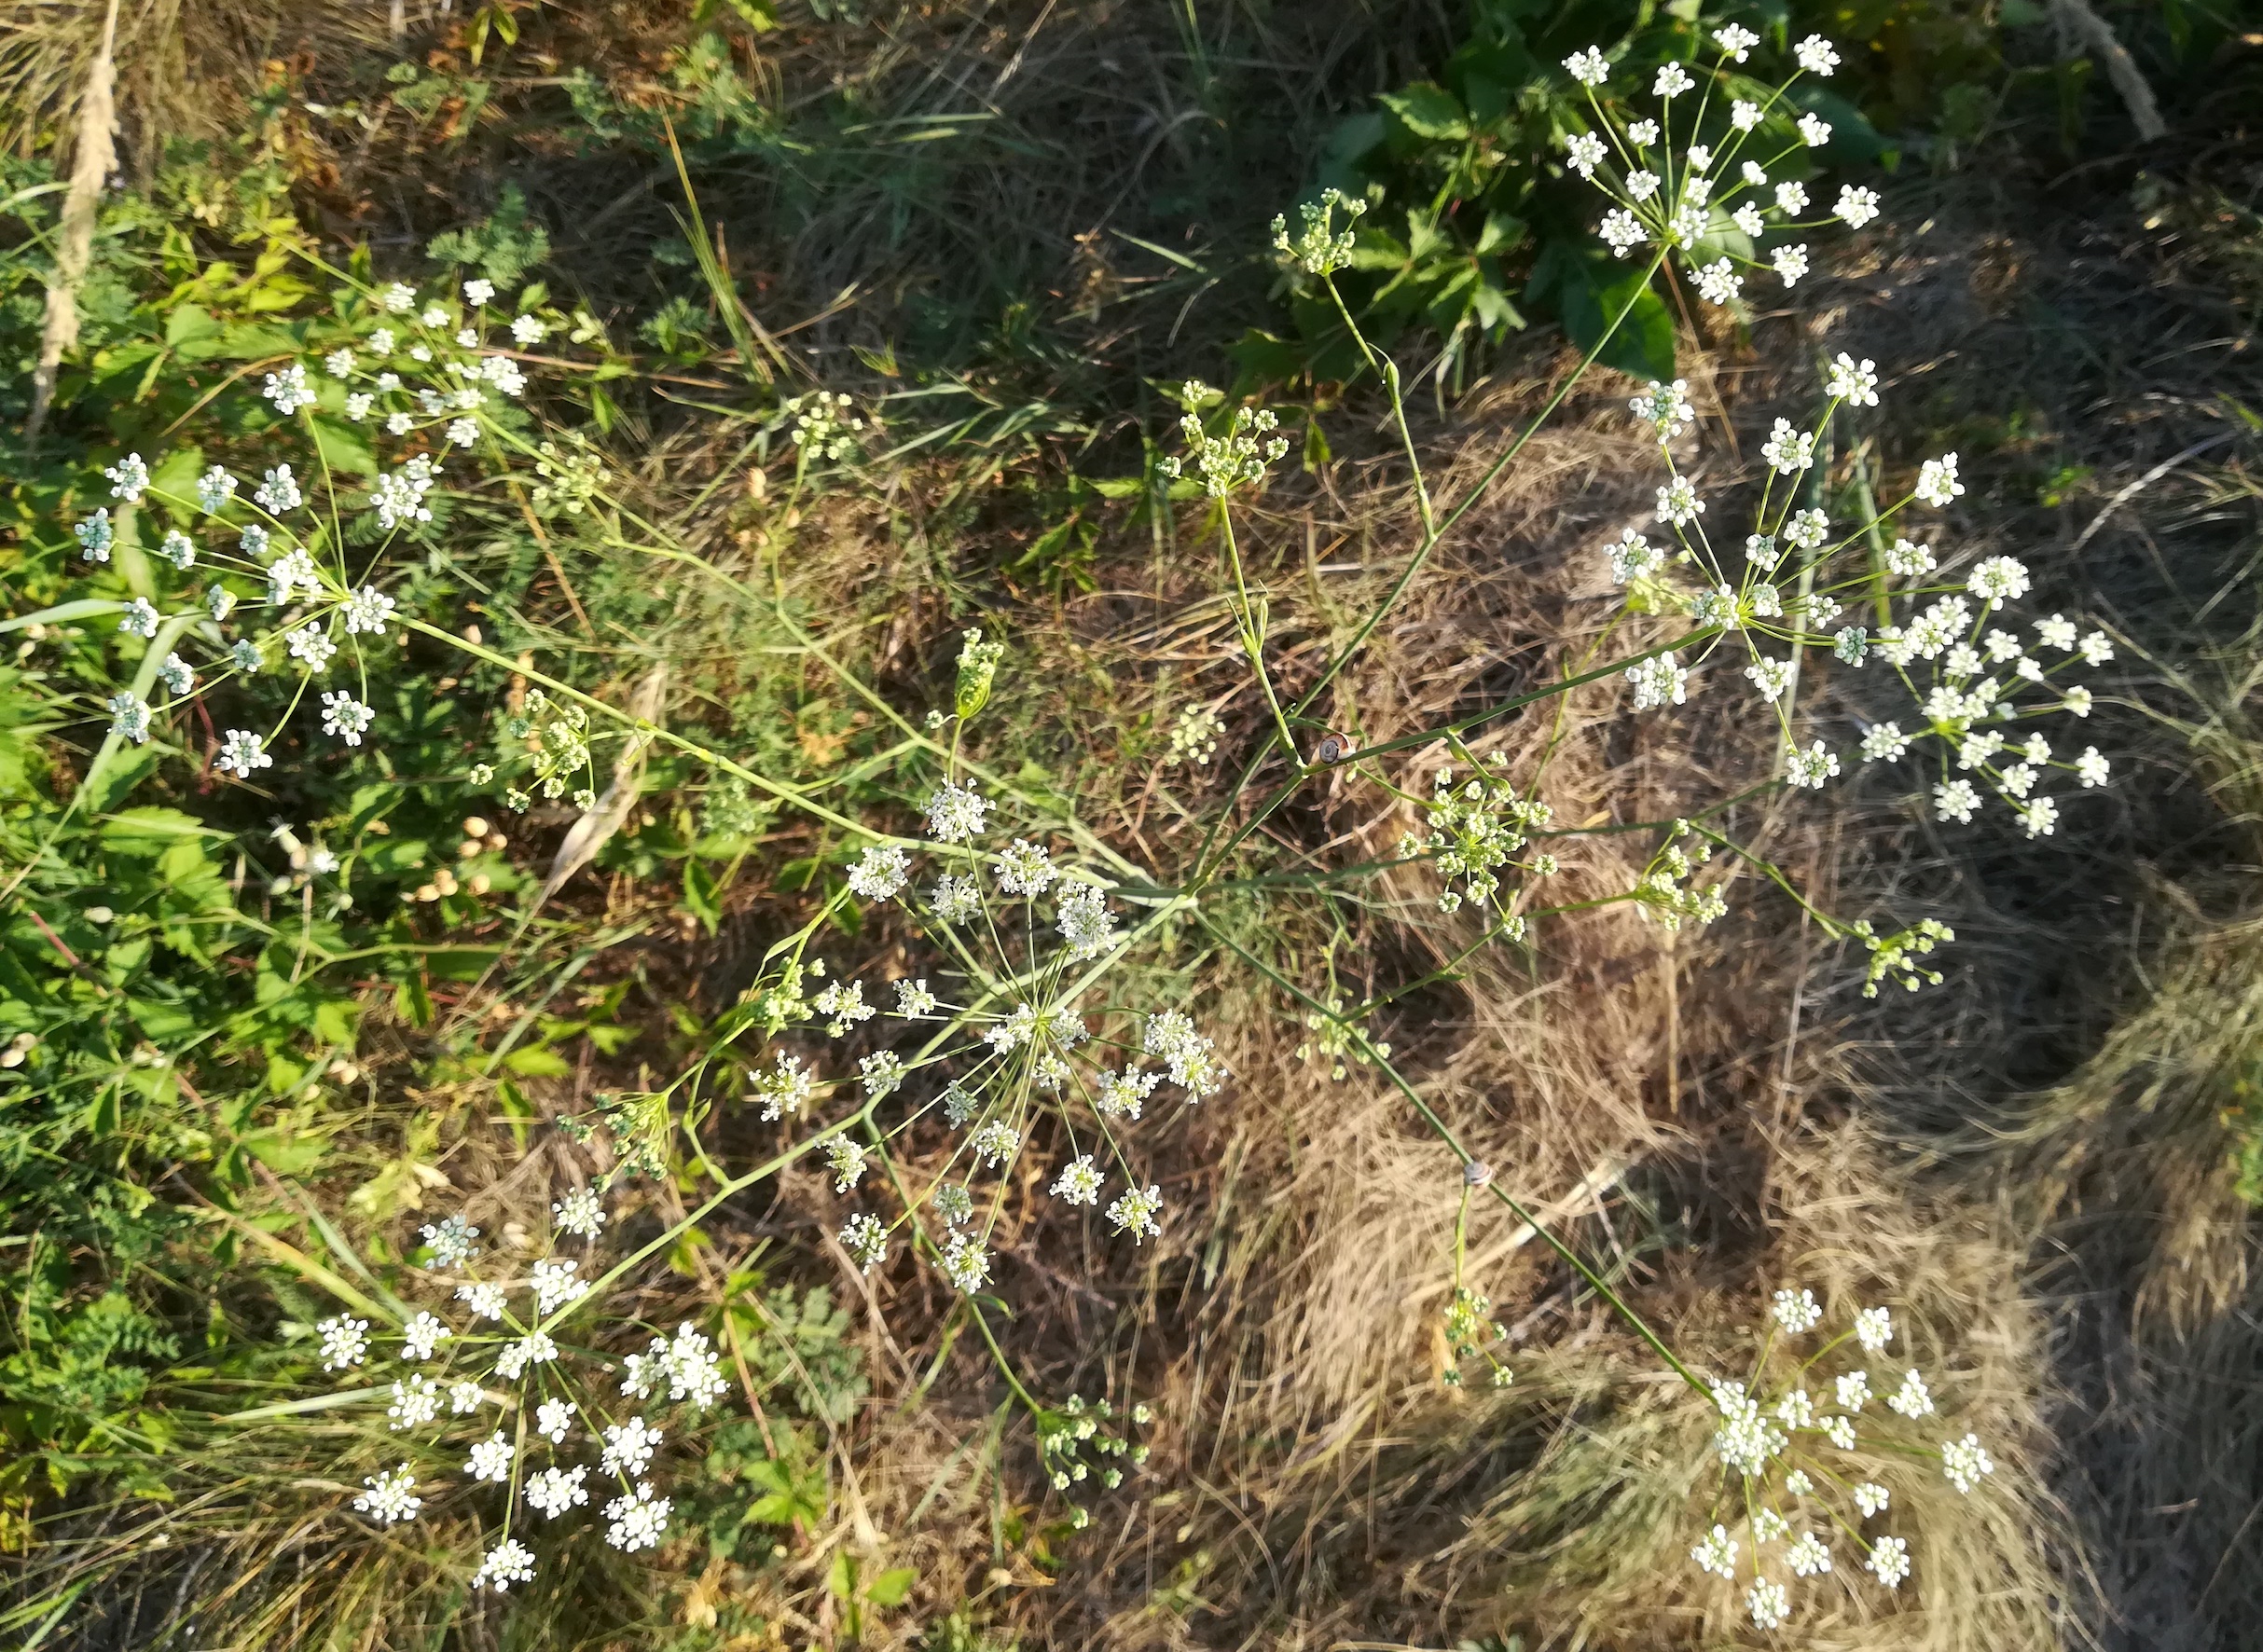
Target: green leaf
(537, 1064)
(1589, 290)
(700, 897)
(1428, 111)
(286, 1155)
(890, 1587)
(345, 448)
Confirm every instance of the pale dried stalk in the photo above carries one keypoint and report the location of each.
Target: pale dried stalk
(90, 167)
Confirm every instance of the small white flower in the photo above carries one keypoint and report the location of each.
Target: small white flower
(1736, 41)
(1717, 283)
(346, 717)
(1744, 115)
(1585, 152)
(955, 813)
(1716, 1553)
(994, 1143)
(1817, 55)
(2090, 769)
(787, 1088)
(554, 1283)
(338, 364)
(1679, 504)
(215, 489)
(1999, 580)
(1936, 483)
(1815, 130)
(450, 1241)
(2096, 647)
(288, 390)
(527, 331)
(580, 1213)
(883, 869)
(1811, 768)
(1790, 264)
(243, 751)
(1839, 1431)
(423, 1334)
(845, 1159)
(1133, 1212)
(1797, 1310)
(1955, 800)
(1658, 681)
(534, 1348)
(179, 549)
(1587, 67)
(1889, 1561)
(1771, 677)
(1665, 408)
(1809, 1557)
(638, 1521)
(882, 1074)
(509, 1562)
(388, 1500)
(1769, 1602)
(434, 316)
(476, 293)
(554, 1421)
(398, 298)
(1874, 1329)
(2039, 815)
(866, 1240)
(1912, 1399)
(2077, 701)
(416, 1401)
(1079, 1182)
(554, 1491)
(1788, 450)
(1856, 205)
(128, 478)
(367, 613)
(1853, 1391)
(1671, 82)
(1631, 558)
(463, 432)
(1621, 231)
(279, 492)
(965, 1263)
(1870, 1497)
(913, 1001)
(1807, 529)
(463, 1397)
(140, 618)
(485, 1301)
(490, 1459)
(1748, 218)
(1964, 1462)
(1852, 381)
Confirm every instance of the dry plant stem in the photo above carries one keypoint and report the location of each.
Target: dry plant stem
(90, 167)
(1439, 1127)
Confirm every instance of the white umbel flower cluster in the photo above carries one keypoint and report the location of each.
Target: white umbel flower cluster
(1797, 1468)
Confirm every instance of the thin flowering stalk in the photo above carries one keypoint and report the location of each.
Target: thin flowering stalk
(1596, 1281)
